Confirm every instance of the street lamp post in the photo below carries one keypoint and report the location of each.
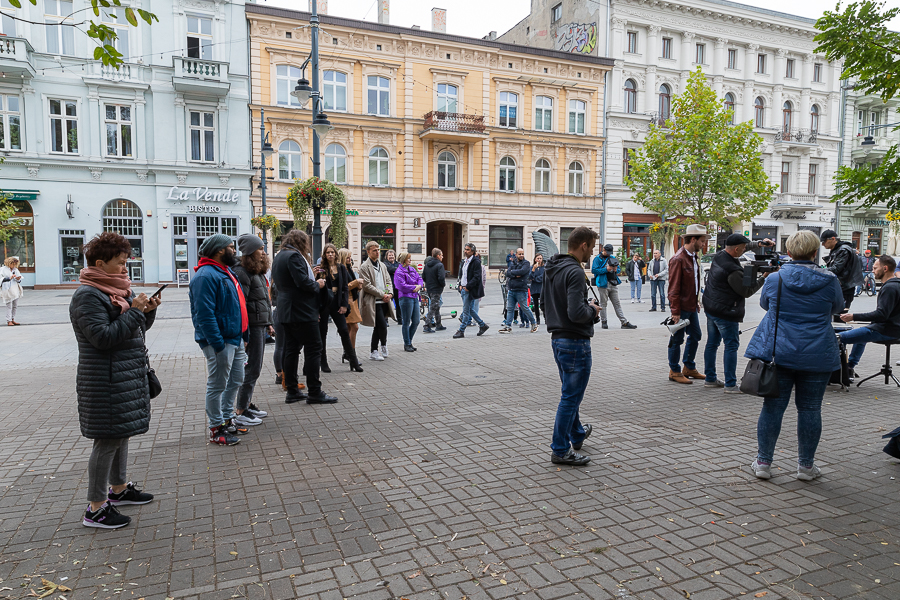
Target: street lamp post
(265, 152)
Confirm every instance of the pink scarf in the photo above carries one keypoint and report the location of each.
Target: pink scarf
(118, 287)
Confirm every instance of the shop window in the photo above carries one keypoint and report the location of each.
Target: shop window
(286, 78)
(124, 217)
(636, 238)
(509, 104)
(199, 37)
(502, 240)
(378, 166)
(564, 234)
(71, 247)
(764, 232)
(873, 241)
(21, 241)
(10, 123)
(329, 240)
(335, 90)
(290, 159)
(383, 233)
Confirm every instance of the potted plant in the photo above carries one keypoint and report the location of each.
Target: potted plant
(267, 223)
(319, 193)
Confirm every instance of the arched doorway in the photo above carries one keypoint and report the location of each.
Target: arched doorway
(447, 236)
(124, 217)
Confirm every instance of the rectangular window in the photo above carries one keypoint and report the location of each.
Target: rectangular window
(860, 121)
(700, 57)
(203, 136)
(817, 72)
(789, 68)
(60, 39)
(732, 58)
(632, 42)
(785, 177)
(115, 17)
(118, 130)
(502, 240)
(626, 164)
(10, 123)
(666, 47)
(335, 91)
(385, 234)
(761, 64)
(509, 103)
(811, 185)
(379, 95)
(556, 13)
(7, 23)
(286, 78)
(199, 37)
(64, 126)
(576, 116)
(543, 113)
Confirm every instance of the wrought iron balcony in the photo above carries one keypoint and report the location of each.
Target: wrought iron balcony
(454, 122)
(658, 119)
(15, 57)
(796, 136)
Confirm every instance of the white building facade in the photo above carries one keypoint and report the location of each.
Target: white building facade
(157, 151)
(762, 65)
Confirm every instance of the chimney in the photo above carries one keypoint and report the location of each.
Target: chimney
(321, 6)
(439, 20)
(491, 36)
(415, 27)
(384, 12)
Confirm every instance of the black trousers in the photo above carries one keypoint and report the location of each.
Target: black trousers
(256, 348)
(848, 296)
(379, 332)
(340, 321)
(279, 343)
(305, 334)
(536, 300)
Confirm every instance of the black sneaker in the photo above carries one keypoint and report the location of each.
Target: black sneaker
(130, 495)
(627, 325)
(277, 379)
(604, 325)
(482, 329)
(235, 429)
(256, 412)
(459, 334)
(105, 517)
(295, 396)
(427, 330)
(222, 437)
(321, 398)
(587, 433)
(440, 328)
(571, 458)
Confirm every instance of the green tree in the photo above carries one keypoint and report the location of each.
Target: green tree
(859, 38)
(104, 34)
(699, 167)
(8, 222)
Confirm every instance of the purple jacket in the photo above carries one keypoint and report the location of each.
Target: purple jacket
(405, 281)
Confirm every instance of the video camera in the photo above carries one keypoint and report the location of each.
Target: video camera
(767, 262)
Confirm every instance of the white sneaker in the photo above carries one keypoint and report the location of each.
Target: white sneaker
(761, 471)
(246, 420)
(376, 355)
(640, 302)
(632, 300)
(384, 351)
(808, 473)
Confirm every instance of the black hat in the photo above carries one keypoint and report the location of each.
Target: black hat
(608, 247)
(827, 235)
(736, 239)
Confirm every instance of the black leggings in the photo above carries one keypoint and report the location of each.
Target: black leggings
(279, 343)
(536, 300)
(379, 333)
(340, 321)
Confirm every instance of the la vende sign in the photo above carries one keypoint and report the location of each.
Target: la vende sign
(202, 194)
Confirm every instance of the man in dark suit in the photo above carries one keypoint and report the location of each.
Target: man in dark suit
(471, 288)
(298, 313)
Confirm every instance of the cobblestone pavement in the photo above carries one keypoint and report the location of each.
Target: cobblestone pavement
(431, 479)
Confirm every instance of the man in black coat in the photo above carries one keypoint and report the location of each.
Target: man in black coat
(843, 262)
(435, 276)
(471, 288)
(298, 312)
(885, 318)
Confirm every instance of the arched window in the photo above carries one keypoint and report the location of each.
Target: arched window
(21, 240)
(290, 158)
(576, 178)
(787, 112)
(665, 101)
(814, 118)
(542, 176)
(446, 171)
(729, 106)
(336, 163)
(125, 218)
(507, 174)
(335, 90)
(543, 113)
(759, 106)
(447, 96)
(630, 96)
(286, 78)
(378, 166)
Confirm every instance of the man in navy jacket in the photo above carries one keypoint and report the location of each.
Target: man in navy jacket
(517, 292)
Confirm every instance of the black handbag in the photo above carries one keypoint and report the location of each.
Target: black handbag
(152, 380)
(761, 376)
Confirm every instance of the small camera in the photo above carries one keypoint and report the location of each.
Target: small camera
(593, 302)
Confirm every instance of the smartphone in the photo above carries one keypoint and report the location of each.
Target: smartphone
(158, 293)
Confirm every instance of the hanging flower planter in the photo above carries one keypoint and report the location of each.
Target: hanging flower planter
(319, 193)
(267, 223)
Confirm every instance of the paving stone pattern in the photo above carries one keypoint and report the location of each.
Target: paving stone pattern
(431, 479)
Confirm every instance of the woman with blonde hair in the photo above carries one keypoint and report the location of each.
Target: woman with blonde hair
(336, 306)
(354, 318)
(11, 288)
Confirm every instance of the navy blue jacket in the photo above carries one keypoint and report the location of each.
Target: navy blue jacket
(215, 309)
(537, 280)
(517, 275)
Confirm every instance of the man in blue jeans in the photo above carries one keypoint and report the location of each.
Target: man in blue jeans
(885, 318)
(471, 288)
(724, 300)
(570, 321)
(685, 277)
(517, 292)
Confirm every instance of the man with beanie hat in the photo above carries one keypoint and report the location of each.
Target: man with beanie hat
(724, 299)
(606, 269)
(219, 314)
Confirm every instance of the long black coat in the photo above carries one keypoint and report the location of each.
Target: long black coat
(111, 383)
(298, 294)
(256, 296)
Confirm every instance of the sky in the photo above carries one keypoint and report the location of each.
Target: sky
(477, 18)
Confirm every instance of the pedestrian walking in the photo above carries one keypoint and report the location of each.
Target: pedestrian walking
(536, 283)
(408, 283)
(111, 380)
(685, 277)
(802, 297)
(605, 269)
(336, 307)
(11, 288)
(354, 318)
(885, 318)
(299, 301)
(251, 274)
(634, 268)
(221, 328)
(657, 273)
(435, 276)
(471, 288)
(570, 321)
(843, 262)
(377, 299)
(517, 275)
(390, 261)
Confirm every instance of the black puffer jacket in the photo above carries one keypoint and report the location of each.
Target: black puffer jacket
(259, 307)
(111, 384)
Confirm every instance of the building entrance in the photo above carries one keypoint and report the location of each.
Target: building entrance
(447, 236)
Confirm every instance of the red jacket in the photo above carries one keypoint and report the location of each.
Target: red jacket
(682, 289)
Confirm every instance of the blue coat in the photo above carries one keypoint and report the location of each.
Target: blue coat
(215, 309)
(517, 275)
(536, 278)
(806, 339)
(601, 275)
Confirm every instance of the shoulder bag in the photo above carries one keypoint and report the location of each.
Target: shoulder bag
(152, 380)
(761, 376)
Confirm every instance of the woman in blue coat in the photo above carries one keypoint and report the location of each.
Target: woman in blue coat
(806, 351)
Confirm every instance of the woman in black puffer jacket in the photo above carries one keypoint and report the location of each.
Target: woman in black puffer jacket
(111, 383)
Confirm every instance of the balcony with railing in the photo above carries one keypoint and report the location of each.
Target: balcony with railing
(16, 57)
(794, 137)
(199, 76)
(872, 144)
(658, 119)
(441, 125)
(791, 202)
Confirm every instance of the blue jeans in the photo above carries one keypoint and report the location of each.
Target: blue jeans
(859, 338)
(808, 398)
(224, 375)
(514, 297)
(658, 286)
(475, 304)
(470, 311)
(690, 348)
(636, 286)
(573, 359)
(717, 331)
(409, 316)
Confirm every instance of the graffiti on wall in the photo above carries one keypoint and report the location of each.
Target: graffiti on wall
(580, 38)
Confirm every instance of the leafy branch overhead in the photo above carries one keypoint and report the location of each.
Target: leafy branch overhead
(699, 167)
(103, 33)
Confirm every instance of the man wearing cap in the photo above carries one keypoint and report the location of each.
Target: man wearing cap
(724, 299)
(685, 276)
(605, 269)
(868, 268)
(843, 262)
(219, 314)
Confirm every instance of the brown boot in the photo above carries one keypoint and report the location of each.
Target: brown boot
(678, 377)
(692, 373)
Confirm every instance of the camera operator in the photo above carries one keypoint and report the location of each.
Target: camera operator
(570, 321)
(885, 318)
(843, 262)
(724, 299)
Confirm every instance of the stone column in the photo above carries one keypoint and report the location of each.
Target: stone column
(140, 123)
(181, 140)
(749, 97)
(777, 108)
(801, 178)
(652, 90)
(91, 123)
(750, 61)
(806, 73)
(718, 84)
(686, 50)
(804, 120)
(652, 52)
(720, 58)
(833, 125)
(617, 87)
(778, 74)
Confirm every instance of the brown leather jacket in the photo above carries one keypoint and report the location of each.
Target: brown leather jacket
(682, 290)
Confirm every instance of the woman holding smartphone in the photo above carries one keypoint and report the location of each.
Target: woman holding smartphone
(336, 306)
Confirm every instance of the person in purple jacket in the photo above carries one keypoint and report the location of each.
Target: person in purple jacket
(408, 282)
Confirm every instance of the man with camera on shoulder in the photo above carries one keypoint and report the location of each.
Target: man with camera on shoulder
(724, 300)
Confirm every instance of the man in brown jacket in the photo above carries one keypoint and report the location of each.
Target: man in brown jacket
(685, 279)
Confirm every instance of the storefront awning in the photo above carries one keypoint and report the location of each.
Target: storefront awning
(20, 194)
(767, 223)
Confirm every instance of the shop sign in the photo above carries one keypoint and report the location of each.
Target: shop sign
(202, 194)
(877, 223)
(28, 195)
(783, 214)
(183, 277)
(203, 208)
(350, 213)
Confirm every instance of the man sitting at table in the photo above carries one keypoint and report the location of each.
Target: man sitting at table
(885, 318)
